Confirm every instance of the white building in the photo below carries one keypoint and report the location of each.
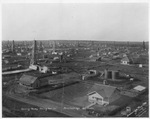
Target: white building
(139, 88)
(95, 97)
(43, 69)
(126, 60)
(102, 94)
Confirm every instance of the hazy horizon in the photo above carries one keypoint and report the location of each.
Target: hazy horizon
(75, 21)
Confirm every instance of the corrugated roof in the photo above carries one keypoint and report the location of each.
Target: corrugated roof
(103, 90)
(77, 93)
(125, 59)
(128, 58)
(85, 88)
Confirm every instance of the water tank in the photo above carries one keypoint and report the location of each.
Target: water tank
(115, 75)
(109, 75)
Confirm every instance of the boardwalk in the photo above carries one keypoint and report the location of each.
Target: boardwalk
(16, 71)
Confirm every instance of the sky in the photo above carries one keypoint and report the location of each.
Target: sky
(75, 21)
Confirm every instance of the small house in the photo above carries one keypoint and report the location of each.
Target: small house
(6, 61)
(6, 57)
(19, 54)
(126, 60)
(140, 65)
(95, 97)
(103, 94)
(139, 88)
(94, 58)
(43, 69)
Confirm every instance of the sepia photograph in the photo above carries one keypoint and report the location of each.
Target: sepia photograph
(75, 59)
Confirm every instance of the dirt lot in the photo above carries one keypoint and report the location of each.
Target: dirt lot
(20, 109)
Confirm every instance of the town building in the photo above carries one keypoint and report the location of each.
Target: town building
(96, 98)
(32, 81)
(37, 80)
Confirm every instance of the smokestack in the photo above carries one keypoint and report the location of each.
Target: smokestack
(54, 46)
(26, 46)
(61, 57)
(33, 58)
(13, 46)
(114, 43)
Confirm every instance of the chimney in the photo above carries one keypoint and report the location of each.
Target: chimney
(61, 57)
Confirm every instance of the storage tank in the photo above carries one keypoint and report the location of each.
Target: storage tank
(115, 75)
(109, 75)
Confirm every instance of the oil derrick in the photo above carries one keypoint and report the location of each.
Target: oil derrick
(49, 44)
(13, 47)
(8, 44)
(23, 44)
(26, 46)
(33, 57)
(41, 47)
(78, 44)
(92, 43)
(128, 43)
(144, 45)
(61, 58)
(54, 46)
(114, 43)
